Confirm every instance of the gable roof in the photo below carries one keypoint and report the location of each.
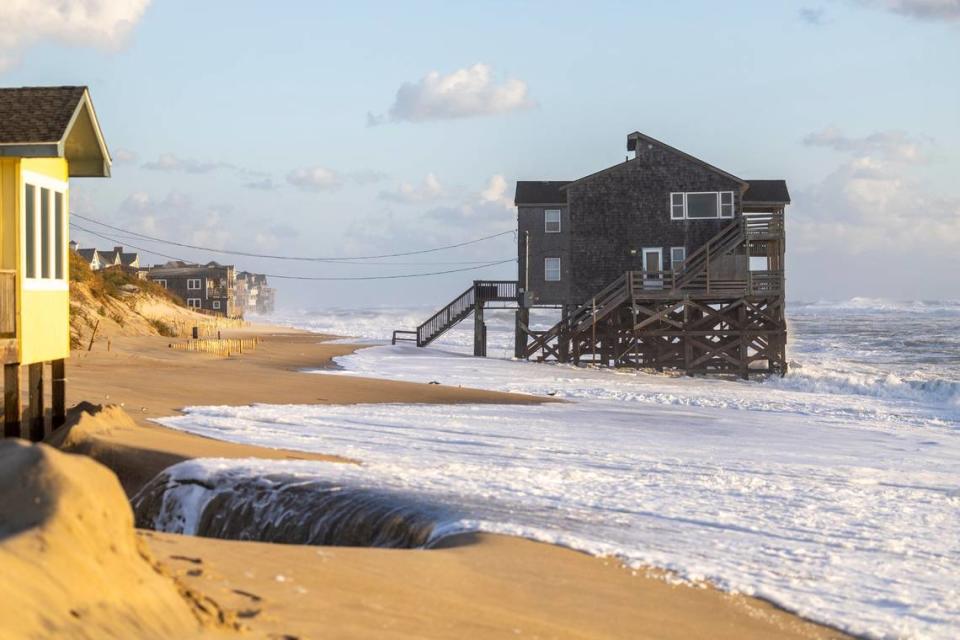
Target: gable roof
(53, 122)
(87, 254)
(636, 137)
(767, 191)
(540, 192)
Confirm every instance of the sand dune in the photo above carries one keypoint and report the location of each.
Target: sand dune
(72, 563)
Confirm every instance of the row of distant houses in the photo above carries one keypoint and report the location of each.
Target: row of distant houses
(211, 287)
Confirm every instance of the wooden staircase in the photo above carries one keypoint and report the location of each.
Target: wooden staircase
(692, 280)
(470, 301)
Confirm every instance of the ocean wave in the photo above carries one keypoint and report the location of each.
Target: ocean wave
(225, 500)
(885, 385)
(877, 305)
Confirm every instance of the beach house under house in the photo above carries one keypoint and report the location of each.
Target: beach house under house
(48, 135)
(661, 261)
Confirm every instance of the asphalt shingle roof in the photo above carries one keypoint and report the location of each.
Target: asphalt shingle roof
(767, 191)
(540, 192)
(36, 114)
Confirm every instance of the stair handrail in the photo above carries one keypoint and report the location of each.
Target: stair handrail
(464, 303)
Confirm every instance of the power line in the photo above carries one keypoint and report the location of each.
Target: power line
(396, 276)
(249, 254)
(402, 263)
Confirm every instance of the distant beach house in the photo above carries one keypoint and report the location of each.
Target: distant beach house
(47, 136)
(660, 261)
(203, 287)
(253, 294)
(100, 259)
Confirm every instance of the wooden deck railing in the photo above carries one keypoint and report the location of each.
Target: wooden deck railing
(8, 303)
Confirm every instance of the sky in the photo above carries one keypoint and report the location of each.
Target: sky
(365, 128)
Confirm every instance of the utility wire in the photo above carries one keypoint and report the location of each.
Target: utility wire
(392, 263)
(396, 276)
(249, 254)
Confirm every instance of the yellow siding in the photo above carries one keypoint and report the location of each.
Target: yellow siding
(9, 174)
(44, 324)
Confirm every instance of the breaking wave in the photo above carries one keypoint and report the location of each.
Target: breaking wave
(877, 305)
(885, 385)
(189, 498)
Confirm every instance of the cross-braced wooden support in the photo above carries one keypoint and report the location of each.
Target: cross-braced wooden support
(735, 336)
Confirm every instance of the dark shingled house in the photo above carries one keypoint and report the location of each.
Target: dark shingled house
(662, 261)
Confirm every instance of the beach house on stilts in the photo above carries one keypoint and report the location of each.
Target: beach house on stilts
(47, 136)
(661, 261)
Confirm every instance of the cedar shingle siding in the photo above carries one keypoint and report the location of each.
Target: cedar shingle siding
(609, 217)
(628, 207)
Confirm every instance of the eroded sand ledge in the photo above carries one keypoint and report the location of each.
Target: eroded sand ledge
(478, 586)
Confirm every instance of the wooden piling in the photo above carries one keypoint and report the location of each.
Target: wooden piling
(58, 380)
(35, 401)
(11, 400)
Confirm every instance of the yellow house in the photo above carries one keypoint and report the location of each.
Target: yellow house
(47, 136)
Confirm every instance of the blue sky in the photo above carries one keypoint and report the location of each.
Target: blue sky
(331, 129)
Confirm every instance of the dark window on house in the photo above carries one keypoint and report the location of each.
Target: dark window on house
(193, 284)
(58, 245)
(551, 220)
(726, 204)
(676, 206)
(677, 256)
(551, 269)
(30, 230)
(44, 233)
(702, 205)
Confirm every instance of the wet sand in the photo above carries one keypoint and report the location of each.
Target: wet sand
(479, 586)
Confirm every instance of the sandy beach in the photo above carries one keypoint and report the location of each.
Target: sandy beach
(473, 586)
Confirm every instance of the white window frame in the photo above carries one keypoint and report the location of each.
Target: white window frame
(673, 260)
(678, 205)
(215, 304)
(162, 282)
(39, 182)
(190, 282)
(546, 222)
(194, 303)
(546, 271)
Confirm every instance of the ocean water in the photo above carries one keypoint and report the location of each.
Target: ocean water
(834, 491)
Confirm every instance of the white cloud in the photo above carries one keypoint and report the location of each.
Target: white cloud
(932, 10)
(314, 179)
(430, 190)
(173, 162)
(872, 202)
(496, 191)
(467, 92)
(124, 156)
(894, 146)
(100, 23)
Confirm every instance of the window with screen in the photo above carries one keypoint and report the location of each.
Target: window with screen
(701, 205)
(677, 256)
(551, 220)
(551, 269)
